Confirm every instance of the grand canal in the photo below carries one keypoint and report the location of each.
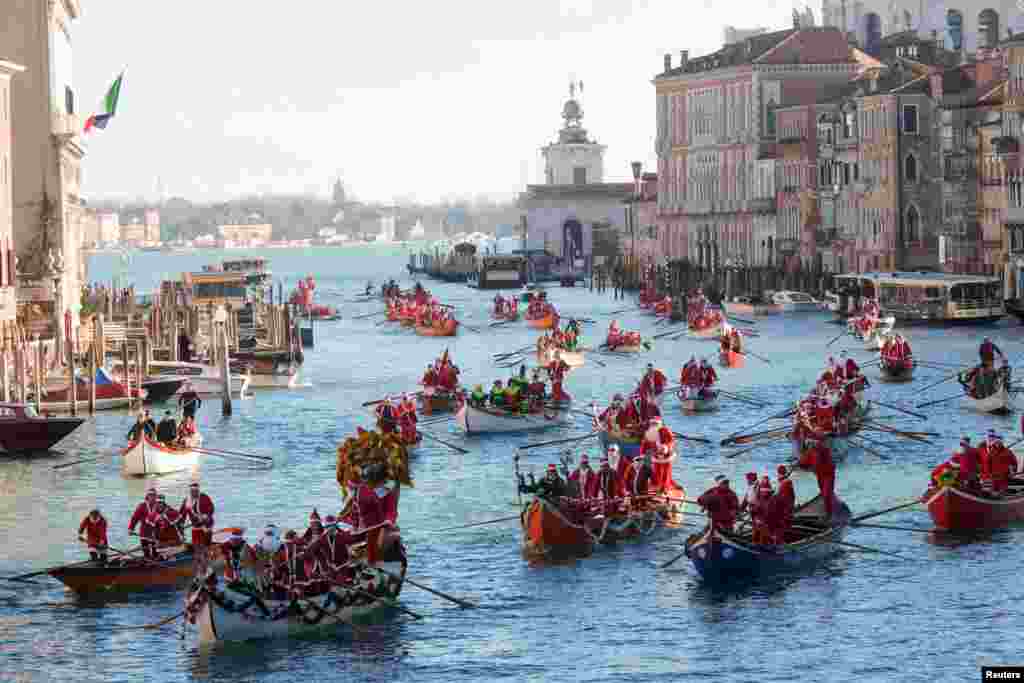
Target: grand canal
(936, 614)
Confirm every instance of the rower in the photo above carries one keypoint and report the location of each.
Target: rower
(1002, 464)
(165, 522)
(721, 504)
(314, 520)
(314, 563)
(585, 479)
(643, 473)
(653, 381)
(386, 422)
(825, 471)
(497, 396)
(785, 505)
(167, 430)
(141, 518)
(287, 571)
(761, 513)
(968, 457)
(708, 376)
(335, 548)
(689, 375)
(93, 532)
(750, 497)
(987, 350)
(197, 509)
(236, 552)
(189, 401)
(139, 429)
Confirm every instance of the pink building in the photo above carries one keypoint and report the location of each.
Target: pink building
(716, 133)
(650, 248)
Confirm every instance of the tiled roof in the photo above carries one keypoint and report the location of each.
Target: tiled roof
(734, 54)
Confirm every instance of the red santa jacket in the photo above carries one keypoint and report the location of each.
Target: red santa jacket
(785, 500)
(368, 510)
(163, 523)
(587, 481)
(721, 504)
(95, 530)
(140, 515)
(198, 512)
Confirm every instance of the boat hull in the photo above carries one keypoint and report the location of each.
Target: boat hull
(449, 329)
(228, 615)
(897, 371)
(161, 389)
(545, 323)
(437, 403)
(147, 457)
(752, 309)
(696, 404)
(999, 402)
(731, 359)
(574, 359)
(721, 557)
(958, 510)
(628, 348)
(547, 533)
(94, 578)
(37, 434)
(474, 420)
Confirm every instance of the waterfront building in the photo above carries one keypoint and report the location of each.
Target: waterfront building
(110, 227)
(47, 152)
(574, 202)
(247, 234)
(8, 281)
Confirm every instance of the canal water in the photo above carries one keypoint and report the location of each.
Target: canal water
(938, 612)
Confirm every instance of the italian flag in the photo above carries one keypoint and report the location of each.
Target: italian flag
(109, 107)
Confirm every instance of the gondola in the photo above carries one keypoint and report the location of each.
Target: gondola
(128, 573)
(957, 508)
(723, 556)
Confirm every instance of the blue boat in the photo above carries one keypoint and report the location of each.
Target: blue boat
(722, 557)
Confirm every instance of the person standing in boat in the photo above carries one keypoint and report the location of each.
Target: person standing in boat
(750, 497)
(785, 506)
(653, 381)
(165, 522)
(987, 352)
(1000, 463)
(585, 479)
(721, 504)
(761, 512)
(708, 377)
(197, 509)
(557, 370)
(287, 572)
(167, 430)
(825, 471)
(93, 532)
(186, 432)
(140, 518)
(386, 421)
(189, 401)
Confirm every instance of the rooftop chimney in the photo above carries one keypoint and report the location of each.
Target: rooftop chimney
(684, 58)
(668, 62)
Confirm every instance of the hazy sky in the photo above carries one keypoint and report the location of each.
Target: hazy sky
(402, 99)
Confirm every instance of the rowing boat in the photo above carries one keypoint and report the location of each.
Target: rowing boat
(236, 611)
(896, 369)
(574, 359)
(146, 457)
(711, 330)
(437, 401)
(701, 402)
(446, 329)
(731, 359)
(546, 322)
(956, 508)
(999, 402)
(723, 556)
(128, 573)
(477, 420)
(625, 348)
(572, 527)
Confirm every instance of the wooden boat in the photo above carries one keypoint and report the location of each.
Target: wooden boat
(883, 326)
(146, 457)
(128, 573)
(23, 431)
(896, 370)
(574, 359)
(695, 403)
(237, 611)
(959, 509)
(1000, 402)
(545, 323)
(437, 402)
(744, 306)
(446, 329)
(551, 530)
(731, 359)
(722, 556)
(110, 394)
(474, 420)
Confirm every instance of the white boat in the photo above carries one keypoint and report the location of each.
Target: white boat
(999, 402)
(205, 379)
(475, 420)
(146, 457)
(229, 615)
(574, 359)
(694, 403)
(797, 302)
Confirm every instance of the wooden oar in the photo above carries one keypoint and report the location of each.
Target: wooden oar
(380, 598)
(941, 400)
(745, 438)
(941, 381)
(30, 575)
(443, 443)
(79, 462)
(217, 451)
(751, 353)
(904, 528)
(741, 399)
(498, 356)
(738, 453)
(837, 338)
(867, 448)
(888, 405)
(742, 320)
(158, 624)
(887, 428)
(457, 601)
(864, 548)
(869, 515)
(559, 441)
(468, 526)
(381, 400)
(698, 439)
(777, 416)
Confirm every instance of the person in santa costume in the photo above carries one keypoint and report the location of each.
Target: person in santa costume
(93, 532)
(585, 479)
(287, 569)
(165, 522)
(761, 513)
(721, 504)
(141, 518)
(557, 370)
(369, 516)
(197, 509)
(750, 497)
(1001, 463)
(314, 563)
(653, 382)
(607, 483)
(239, 557)
(785, 505)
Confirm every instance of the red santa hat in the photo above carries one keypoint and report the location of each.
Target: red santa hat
(552, 468)
(584, 460)
(783, 472)
(751, 477)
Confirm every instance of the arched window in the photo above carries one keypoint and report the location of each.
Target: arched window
(912, 225)
(910, 169)
(988, 28)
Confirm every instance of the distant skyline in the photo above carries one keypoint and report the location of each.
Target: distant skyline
(398, 98)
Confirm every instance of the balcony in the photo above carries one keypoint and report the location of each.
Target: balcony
(790, 138)
(761, 205)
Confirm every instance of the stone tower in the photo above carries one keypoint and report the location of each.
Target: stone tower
(574, 159)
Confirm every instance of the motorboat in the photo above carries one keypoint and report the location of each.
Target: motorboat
(795, 302)
(22, 430)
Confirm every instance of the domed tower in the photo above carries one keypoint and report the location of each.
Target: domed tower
(574, 159)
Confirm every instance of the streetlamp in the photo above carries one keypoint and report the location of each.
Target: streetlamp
(637, 170)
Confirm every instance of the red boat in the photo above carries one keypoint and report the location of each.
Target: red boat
(957, 509)
(127, 574)
(107, 388)
(22, 430)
